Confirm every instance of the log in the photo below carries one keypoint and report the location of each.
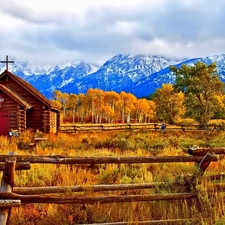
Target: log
(7, 186)
(201, 167)
(19, 166)
(219, 187)
(94, 200)
(169, 221)
(8, 175)
(208, 158)
(203, 151)
(40, 139)
(57, 159)
(9, 203)
(88, 188)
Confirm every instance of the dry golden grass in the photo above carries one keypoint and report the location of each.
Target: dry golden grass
(116, 143)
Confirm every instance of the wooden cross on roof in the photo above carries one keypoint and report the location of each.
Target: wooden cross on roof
(7, 61)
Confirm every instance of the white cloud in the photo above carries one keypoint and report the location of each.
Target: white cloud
(93, 30)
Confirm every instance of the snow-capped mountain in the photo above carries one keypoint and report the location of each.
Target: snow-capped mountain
(137, 74)
(123, 71)
(151, 83)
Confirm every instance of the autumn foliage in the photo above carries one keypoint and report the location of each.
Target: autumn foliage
(104, 107)
(115, 143)
(197, 94)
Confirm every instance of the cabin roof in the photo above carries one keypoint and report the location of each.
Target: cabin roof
(15, 96)
(30, 89)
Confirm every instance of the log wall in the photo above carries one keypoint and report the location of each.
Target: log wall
(39, 117)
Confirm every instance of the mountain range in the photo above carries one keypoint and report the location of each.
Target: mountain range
(137, 74)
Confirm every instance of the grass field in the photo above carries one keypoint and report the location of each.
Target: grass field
(208, 208)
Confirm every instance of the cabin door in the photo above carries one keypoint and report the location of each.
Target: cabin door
(4, 122)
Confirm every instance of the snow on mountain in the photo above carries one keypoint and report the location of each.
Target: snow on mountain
(24, 68)
(148, 85)
(122, 71)
(137, 74)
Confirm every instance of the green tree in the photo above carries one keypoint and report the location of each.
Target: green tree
(200, 84)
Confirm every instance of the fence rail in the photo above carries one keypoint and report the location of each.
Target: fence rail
(157, 222)
(70, 128)
(58, 159)
(15, 196)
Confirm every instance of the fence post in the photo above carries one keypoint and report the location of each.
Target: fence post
(7, 186)
(129, 127)
(183, 127)
(202, 166)
(207, 159)
(155, 126)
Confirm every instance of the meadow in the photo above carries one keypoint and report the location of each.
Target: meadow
(208, 208)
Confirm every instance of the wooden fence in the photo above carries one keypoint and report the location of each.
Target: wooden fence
(70, 128)
(15, 196)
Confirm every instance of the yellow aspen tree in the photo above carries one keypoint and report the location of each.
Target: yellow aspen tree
(56, 104)
(169, 105)
(63, 99)
(96, 98)
(73, 104)
(141, 107)
(220, 106)
(110, 100)
(126, 106)
(108, 113)
(82, 107)
(151, 113)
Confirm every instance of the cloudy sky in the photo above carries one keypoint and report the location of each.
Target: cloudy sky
(52, 31)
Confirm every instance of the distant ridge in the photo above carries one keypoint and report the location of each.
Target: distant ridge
(137, 74)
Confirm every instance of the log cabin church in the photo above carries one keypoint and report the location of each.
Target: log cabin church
(22, 107)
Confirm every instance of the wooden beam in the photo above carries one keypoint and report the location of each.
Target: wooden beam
(9, 203)
(168, 221)
(19, 166)
(57, 159)
(98, 188)
(207, 159)
(40, 139)
(7, 186)
(202, 151)
(201, 167)
(94, 200)
(8, 175)
(82, 188)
